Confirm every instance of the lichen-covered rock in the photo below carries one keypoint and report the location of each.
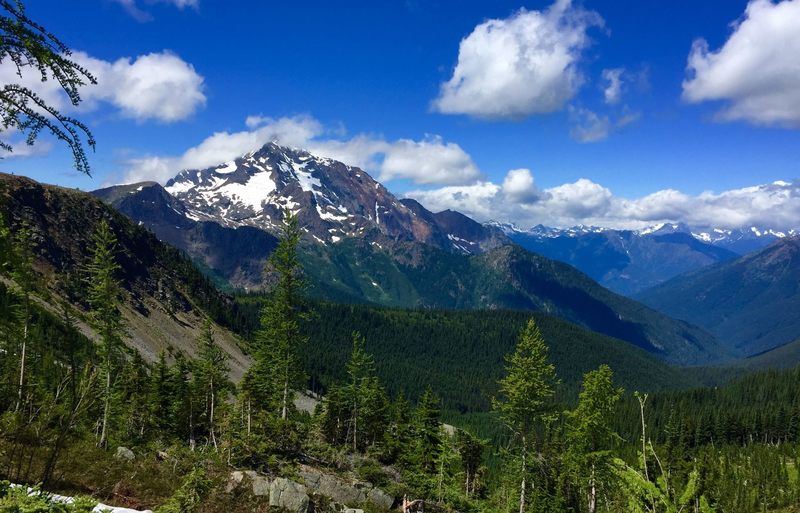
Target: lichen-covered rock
(259, 484)
(123, 453)
(380, 498)
(339, 490)
(288, 495)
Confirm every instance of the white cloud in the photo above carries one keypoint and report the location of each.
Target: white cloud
(133, 9)
(756, 71)
(776, 205)
(612, 91)
(519, 185)
(430, 160)
(159, 86)
(522, 65)
(588, 126)
(477, 200)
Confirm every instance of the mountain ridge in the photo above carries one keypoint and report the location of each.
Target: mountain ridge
(440, 260)
(750, 303)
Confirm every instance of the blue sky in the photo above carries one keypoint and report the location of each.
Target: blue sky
(373, 73)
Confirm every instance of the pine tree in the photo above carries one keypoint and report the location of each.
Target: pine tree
(162, 396)
(106, 320)
(211, 376)
(427, 431)
(276, 371)
(589, 433)
(25, 279)
(525, 393)
(366, 399)
(470, 449)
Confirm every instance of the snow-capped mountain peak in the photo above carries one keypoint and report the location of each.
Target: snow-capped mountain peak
(333, 201)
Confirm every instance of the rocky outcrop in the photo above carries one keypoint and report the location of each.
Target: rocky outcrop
(259, 484)
(294, 497)
(288, 495)
(123, 453)
(339, 490)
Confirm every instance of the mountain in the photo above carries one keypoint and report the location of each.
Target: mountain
(165, 296)
(624, 261)
(335, 201)
(751, 304)
(400, 255)
(743, 240)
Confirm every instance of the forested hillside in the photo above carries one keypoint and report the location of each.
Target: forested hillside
(750, 303)
(165, 297)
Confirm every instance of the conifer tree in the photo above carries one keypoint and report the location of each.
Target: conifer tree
(24, 277)
(367, 402)
(525, 392)
(471, 449)
(104, 299)
(276, 371)
(589, 433)
(427, 431)
(162, 396)
(398, 435)
(211, 375)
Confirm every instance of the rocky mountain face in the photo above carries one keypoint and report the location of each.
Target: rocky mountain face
(751, 304)
(227, 217)
(624, 261)
(332, 200)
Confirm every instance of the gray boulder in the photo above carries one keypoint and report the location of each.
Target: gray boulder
(288, 495)
(123, 453)
(260, 484)
(342, 491)
(380, 498)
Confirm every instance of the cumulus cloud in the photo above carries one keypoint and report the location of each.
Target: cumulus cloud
(430, 160)
(776, 205)
(522, 65)
(612, 88)
(756, 70)
(519, 186)
(159, 86)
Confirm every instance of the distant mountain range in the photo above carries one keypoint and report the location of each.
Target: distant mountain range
(630, 261)
(362, 244)
(752, 304)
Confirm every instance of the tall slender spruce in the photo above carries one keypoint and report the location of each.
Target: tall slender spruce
(524, 394)
(211, 375)
(276, 372)
(106, 320)
(590, 436)
(25, 279)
